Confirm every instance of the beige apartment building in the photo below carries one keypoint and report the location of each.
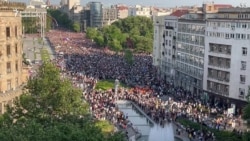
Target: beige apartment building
(12, 74)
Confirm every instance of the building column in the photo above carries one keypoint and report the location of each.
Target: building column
(2, 107)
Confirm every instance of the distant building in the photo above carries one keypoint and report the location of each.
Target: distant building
(160, 11)
(38, 3)
(109, 15)
(122, 11)
(96, 14)
(139, 10)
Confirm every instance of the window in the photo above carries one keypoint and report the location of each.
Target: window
(16, 49)
(16, 65)
(17, 82)
(8, 50)
(231, 35)
(243, 65)
(8, 67)
(16, 31)
(244, 51)
(237, 36)
(7, 31)
(9, 84)
(241, 92)
(242, 79)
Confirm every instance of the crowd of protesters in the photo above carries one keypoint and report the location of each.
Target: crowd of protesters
(86, 64)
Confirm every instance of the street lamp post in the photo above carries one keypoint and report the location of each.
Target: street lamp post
(116, 87)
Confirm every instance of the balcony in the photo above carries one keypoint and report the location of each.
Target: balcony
(169, 27)
(220, 66)
(218, 79)
(12, 90)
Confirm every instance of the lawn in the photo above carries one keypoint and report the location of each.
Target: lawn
(107, 85)
(45, 55)
(220, 135)
(105, 126)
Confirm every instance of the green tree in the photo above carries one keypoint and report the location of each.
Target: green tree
(76, 27)
(99, 40)
(51, 109)
(129, 56)
(246, 115)
(115, 45)
(61, 18)
(91, 33)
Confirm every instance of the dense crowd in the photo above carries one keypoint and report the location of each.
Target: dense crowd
(85, 65)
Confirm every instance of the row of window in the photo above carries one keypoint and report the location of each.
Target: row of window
(8, 31)
(229, 24)
(191, 38)
(168, 33)
(191, 28)
(219, 62)
(194, 71)
(9, 51)
(218, 88)
(193, 60)
(219, 48)
(9, 66)
(173, 24)
(219, 75)
(189, 80)
(191, 49)
(238, 36)
(9, 84)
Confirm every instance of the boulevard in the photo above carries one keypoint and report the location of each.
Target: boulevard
(85, 63)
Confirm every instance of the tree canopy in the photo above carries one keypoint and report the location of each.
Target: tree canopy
(134, 32)
(51, 109)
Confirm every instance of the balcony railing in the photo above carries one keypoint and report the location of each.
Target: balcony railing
(169, 27)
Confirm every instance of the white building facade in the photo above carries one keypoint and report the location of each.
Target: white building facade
(227, 67)
(139, 10)
(159, 26)
(169, 48)
(210, 58)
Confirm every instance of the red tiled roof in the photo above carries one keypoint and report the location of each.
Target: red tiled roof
(179, 13)
(122, 8)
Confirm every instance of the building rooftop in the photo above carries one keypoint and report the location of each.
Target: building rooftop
(7, 6)
(222, 6)
(234, 10)
(179, 13)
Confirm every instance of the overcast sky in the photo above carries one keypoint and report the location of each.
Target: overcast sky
(158, 3)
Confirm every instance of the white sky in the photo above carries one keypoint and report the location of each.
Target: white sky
(158, 3)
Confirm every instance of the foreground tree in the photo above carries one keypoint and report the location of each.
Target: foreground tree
(51, 109)
(246, 115)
